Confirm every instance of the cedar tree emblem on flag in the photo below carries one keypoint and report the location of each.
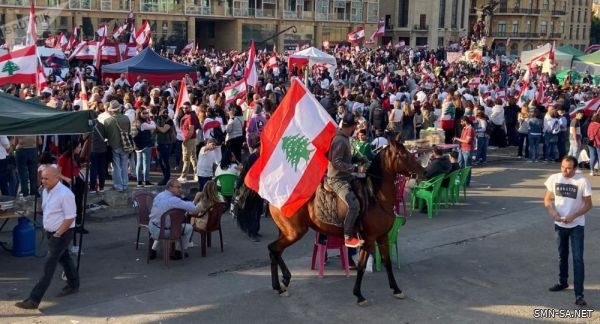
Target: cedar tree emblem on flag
(10, 68)
(296, 148)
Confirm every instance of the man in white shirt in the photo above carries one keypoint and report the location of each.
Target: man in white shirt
(568, 198)
(122, 81)
(59, 211)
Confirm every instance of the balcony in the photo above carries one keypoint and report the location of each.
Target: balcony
(558, 12)
(80, 4)
(113, 5)
(241, 12)
(421, 27)
(515, 35)
(322, 16)
(555, 35)
(198, 10)
(373, 19)
(338, 16)
(170, 7)
(265, 13)
(292, 14)
(356, 18)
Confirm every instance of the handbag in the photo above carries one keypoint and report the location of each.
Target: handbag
(126, 139)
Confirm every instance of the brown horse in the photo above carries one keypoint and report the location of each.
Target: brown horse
(378, 220)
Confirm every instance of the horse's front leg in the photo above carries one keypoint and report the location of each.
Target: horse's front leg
(274, 256)
(384, 250)
(360, 267)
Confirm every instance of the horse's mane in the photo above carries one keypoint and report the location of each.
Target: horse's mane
(374, 173)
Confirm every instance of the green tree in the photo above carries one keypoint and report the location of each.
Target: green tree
(595, 30)
(296, 148)
(10, 68)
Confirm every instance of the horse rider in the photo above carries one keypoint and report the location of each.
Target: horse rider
(339, 175)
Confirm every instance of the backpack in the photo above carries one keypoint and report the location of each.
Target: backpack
(126, 139)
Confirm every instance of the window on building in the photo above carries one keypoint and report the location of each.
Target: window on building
(440, 41)
(551, 27)
(515, 28)
(502, 29)
(530, 4)
(442, 13)
(577, 32)
(546, 5)
(423, 21)
(517, 4)
(544, 28)
(463, 14)
(571, 32)
(528, 26)
(454, 17)
(579, 15)
(584, 34)
(403, 13)
(562, 27)
(421, 41)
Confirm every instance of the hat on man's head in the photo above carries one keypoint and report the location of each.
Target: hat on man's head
(348, 120)
(114, 106)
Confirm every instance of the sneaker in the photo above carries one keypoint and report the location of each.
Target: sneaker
(27, 304)
(67, 290)
(353, 242)
(149, 184)
(579, 301)
(181, 179)
(140, 184)
(558, 287)
(152, 255)
(178, 256)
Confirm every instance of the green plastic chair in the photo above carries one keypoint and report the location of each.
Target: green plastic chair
(428, 191)
(462, 184)
(447, 194)
(226, 184)
(392, 242)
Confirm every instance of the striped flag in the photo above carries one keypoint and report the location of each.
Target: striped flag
(31, 36)
(293, 156)
(250, 73)
(19, 66)
(183, 96)
(235, 91)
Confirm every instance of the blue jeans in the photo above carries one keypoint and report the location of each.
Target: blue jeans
(534, 146)
(142, 165)
(26, 159)
(97, 170)
(464, 160)
(4, 177)
(576, 235)
(550, 146)
(164, 153)
(119, 175)
(482, 144)
(594, 157)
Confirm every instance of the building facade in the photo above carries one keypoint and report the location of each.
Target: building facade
(431, 23)
(219, 24)
(521, 25)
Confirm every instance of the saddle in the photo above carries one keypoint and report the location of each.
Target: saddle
(331, 209)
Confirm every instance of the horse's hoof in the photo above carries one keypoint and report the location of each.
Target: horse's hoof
(363, 303)
(285, 293)
(400, 295)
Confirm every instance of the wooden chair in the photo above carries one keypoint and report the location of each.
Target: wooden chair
(142, 200)
(176, 217)
(214, 214)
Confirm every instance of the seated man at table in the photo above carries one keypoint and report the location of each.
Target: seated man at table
(439, 164)
(454, 166)
(169, 199)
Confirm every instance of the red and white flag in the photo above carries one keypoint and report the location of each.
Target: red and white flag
(40, 79)
(233, 70)
(250, 73)
(183, 96)
(61, 41)
(235, 91)
(357, 35)
(380, 31)
(117, 32)
(540, 91)
(73, 39)
(522, 97)
(187, 48)
(83, 96)
(98, 57)
(272, 62)
(385, 83)
(31, 36)
(143, 36)
(102, 31)
(19, 66)
(293, 156)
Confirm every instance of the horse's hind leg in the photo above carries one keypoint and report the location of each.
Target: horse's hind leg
(275, 251)
(387, 263)
(274, 268)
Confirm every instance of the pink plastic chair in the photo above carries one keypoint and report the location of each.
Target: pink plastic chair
(321, 250)
(400, 187)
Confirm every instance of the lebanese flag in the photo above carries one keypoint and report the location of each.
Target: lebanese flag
(380, 31)
(293, 156)
(61, 41)
(235, 91)
(187, 49)
(73, 38)
(232, 70)
(117, 32)
(40, 79)
(272, 62)
(142, 36)
(183, 94)
(522, 98)
(250, 73)
(357, 35)
(540, 91)
(100, 44)
(102, 31)
(19, 66)
(31, 36)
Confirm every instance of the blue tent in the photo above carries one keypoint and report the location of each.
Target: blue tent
(149, 65)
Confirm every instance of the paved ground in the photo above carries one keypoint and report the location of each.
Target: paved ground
(490, 259)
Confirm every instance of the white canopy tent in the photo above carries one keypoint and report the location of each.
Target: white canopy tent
(561, 60)
(312, 56)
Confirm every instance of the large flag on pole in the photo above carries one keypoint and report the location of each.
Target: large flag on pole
(19, 66)
(142, 36)
(31, 37)
(73, 39)
(83, 96)
(250, 73)
(40, 79)
(103, 32)
(183, 96)
(380, 31)
(356, 36)
(293, 156)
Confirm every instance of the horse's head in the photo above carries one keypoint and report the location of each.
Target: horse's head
(401, 160)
